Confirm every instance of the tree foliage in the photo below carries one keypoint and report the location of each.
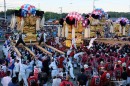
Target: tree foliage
(53, 15)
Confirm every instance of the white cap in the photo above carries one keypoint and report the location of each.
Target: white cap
(108, 75)
(63, 55)
(124, 64)
(129, 67)
(101, 62)
(85, 66)
(119, 61)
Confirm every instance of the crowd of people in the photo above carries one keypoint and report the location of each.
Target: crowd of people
(100, 65)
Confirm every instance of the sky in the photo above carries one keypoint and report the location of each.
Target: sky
(81, 6)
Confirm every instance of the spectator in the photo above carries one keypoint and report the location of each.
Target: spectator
(42, 78)
(66, 82)
(5, 80)
(14, 82)
(124, 76)
(32, 79)
(82, 78)
(56, 81)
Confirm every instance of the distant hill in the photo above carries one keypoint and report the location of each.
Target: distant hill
(53, 15)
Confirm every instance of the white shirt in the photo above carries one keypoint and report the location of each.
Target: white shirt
(69, 64)
(57, 40)
(17, 66)
(4, 68)
(77, 54)
(53, 65)
(56, 82)
(91, 42)
(73, 41)
(5, 80)
(23, 67)
(68, 52)
(39, 63)
(45, 37)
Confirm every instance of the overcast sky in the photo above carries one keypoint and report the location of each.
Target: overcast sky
(82, 6)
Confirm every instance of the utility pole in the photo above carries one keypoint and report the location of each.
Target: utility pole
(93, 4)
(5, 9)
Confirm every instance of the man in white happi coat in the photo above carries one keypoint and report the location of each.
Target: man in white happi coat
(57, 40)
(30, 68)
(5, 80)
(38, 63)
(54, 68)
(45, 35)
(69, 68)
(77, 58)
(74, 43)
(22, 73)
(16, 68)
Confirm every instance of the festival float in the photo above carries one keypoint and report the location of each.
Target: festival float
(28, 20)
(72, 27)
(121, 26)
(97, 21)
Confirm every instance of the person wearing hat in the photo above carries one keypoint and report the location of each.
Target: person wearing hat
(88, 70)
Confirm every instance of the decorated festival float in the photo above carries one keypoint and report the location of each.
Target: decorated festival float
(121, 27)
(28, 20)
(97, 21)
(79, 27)
(75, 27)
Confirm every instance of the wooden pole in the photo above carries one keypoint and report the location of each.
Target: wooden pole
(55, 49)
(43, 50)
(29, 51)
